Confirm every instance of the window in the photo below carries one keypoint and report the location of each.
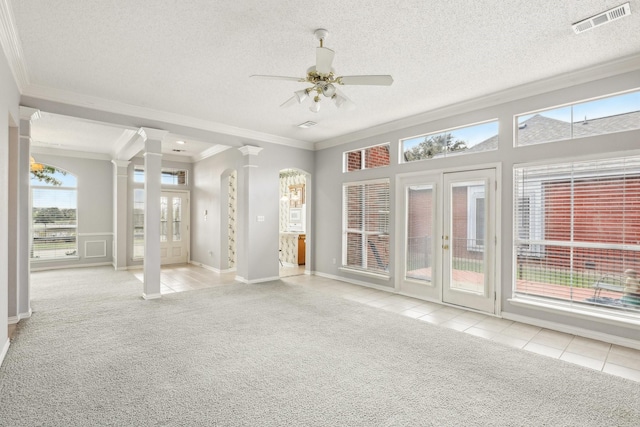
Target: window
(475, 217)
(367, 158)
(366, 226)
(54, 213)
(578, 225)
(168, 176)
(463, 140)
(597, 117)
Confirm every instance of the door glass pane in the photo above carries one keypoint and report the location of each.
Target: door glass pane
(163, 219)
(467, 236)
(177, 218)
(419, 257)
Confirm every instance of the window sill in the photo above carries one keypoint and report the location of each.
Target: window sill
(580, 311)
(380, 276)
(43, 260)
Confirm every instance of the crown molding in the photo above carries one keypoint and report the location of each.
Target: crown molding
(101, 104)
(209, 152)
(61, 152)
(12, 47)
(561, 81)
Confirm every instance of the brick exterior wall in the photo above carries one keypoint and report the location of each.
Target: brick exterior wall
(374, 157)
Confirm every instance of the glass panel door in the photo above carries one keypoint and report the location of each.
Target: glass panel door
(468, 240)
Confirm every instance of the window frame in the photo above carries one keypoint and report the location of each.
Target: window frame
(363, 157)
(383, 224)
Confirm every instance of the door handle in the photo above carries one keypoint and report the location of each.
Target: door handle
(445, 246)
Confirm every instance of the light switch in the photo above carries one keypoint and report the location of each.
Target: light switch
(260, 218)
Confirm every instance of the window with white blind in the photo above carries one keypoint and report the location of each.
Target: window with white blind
(577, 232)
(366, 226)
(54, 214)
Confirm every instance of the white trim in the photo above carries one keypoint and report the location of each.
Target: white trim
(60, 267)
(562, 81)
(151, 296)
(15, 319)
(59, 152)
(104, 248)
(578, 311)
(121, 108)
(12, 47)
(209, 152)
(354, 282)
(106, 233)
(208, 267)
(371, 274)
(4, 351)
(561, 327)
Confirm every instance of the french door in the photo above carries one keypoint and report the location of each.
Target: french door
(174, 227)
(449, 238)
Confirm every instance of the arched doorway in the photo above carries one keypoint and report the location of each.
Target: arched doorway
(293, 223)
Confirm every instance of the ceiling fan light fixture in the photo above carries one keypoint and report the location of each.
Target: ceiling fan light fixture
(338, 100)
(301, 95)
(315, 107)
(328, 90)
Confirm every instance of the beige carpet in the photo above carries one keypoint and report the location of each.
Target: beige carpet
(94, 353)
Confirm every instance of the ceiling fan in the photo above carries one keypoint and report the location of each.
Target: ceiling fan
(324, 81)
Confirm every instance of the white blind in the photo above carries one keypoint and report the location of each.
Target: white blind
(366, 225)
(575, 223)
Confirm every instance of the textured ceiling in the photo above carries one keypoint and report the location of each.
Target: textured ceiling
(194, 58)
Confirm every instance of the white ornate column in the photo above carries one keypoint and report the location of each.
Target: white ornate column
(27, 115)
(152, 192)
(120, 213)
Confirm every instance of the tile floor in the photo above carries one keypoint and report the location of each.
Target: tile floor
(598, 355)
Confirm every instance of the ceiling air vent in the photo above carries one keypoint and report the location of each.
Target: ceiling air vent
(306, 125)
(602, 18)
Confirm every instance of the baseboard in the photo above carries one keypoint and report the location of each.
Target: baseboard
(12, 320)
(586, 333)
(210, 268)
(5, 348)
(355, 282)
(151, 296)
(254, 281)
(61, 267)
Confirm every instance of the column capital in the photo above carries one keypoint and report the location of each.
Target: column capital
(28, 113)
(250, 150)
(152, 134)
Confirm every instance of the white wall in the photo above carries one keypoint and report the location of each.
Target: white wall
(9, 116)
(327, 225)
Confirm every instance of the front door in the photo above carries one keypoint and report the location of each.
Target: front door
(174, 227)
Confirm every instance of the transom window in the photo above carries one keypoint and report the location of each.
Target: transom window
(367, 158)
(596, 117)
(462, 140)
(54, 213)
(168, 176)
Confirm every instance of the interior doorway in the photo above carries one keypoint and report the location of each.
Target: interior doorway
(449, 238)
(293, 224)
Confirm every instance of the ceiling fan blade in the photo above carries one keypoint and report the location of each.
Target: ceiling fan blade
(324, 59)
(293, 79)
(380, 80)
(289, 102)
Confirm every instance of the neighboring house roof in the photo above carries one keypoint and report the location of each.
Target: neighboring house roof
(540, 128)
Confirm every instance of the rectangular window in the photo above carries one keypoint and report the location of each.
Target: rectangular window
(367, 158)
(596, 117)
(54, 214)
(366, 226)
(577, 229)
(462, 140)
(168, 176)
